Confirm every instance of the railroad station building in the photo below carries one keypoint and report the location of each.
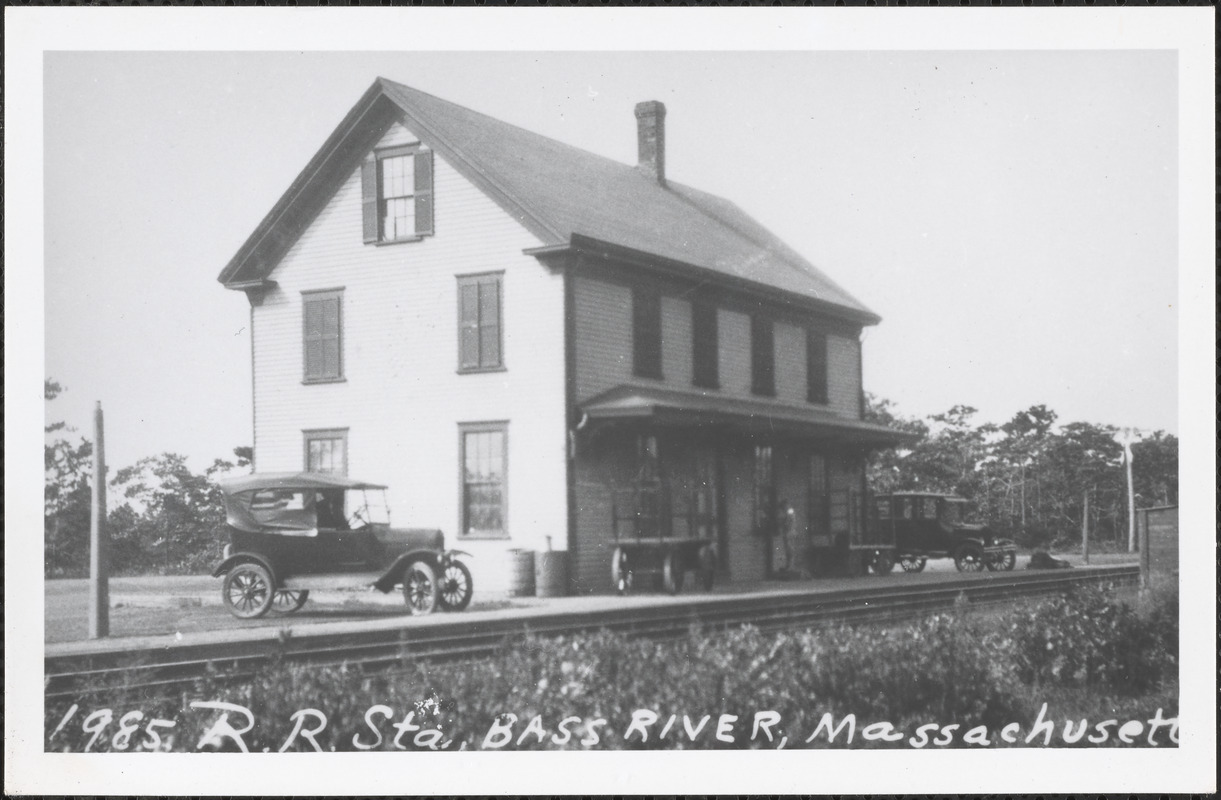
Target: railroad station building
(521, 338)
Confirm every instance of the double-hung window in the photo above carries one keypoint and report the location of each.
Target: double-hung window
(397, 194)
(483, 453)
(327, 451)
(816, 366)
(323, 335)
(646, 333)
(480, 322)
(762, 356)
(704, 345)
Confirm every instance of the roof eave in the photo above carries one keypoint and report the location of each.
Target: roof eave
(586, 245)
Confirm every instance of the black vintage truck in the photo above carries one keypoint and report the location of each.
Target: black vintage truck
(930, 525)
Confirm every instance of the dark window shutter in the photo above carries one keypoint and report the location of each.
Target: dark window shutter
(423, 193)
(368, 199)
(323, 337)
(468, 325)
(762, 356)
(704, 346)
(646, 333)
(816, 366)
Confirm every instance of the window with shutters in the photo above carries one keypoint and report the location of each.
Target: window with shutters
(483, 450)
(816, 366)
(704, 345)
(397, 192)
(480, 344)
(646, 333)
(323, 315)
(327, 451)
(762, 356)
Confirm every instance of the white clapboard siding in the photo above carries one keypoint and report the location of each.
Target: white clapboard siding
(402, 398)
(603, 312)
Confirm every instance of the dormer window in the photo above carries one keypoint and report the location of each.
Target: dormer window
(396, 187)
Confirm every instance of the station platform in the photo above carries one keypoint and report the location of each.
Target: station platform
(172, 612)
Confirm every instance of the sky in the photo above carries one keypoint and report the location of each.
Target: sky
(1010, 215)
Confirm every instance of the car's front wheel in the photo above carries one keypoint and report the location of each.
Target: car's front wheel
(969, 558)
(420, 588)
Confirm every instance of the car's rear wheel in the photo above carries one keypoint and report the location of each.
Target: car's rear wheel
(456, 587)
(286, 601)
(247, 591)
(706, 574)
(420, 588)
(969, 558)
(913, 563)
(672, 573)
(621, 571)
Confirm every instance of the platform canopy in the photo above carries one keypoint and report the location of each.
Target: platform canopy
(678, 409)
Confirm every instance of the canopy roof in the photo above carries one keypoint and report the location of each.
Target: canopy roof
(691, 409)
(292, 480)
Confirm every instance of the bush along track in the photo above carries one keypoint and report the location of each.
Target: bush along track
(1083, 670)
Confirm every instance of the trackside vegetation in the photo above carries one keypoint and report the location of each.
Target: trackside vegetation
(1077, 670)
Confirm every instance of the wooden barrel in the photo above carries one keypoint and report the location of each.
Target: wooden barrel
(521, 583)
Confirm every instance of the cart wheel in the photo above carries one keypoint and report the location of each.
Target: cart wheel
(287, 601)
(456, 587)
(913, 563)
(247, 590)
(621, 571)
(420, 588)
(707, 569)
(672, 574)
(882, 563)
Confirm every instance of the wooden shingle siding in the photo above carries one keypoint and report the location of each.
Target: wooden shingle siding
(402, 398)
(844, 376)
(603, 336)
(790, 363)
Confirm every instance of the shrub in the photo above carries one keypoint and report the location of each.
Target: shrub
(1086, 637)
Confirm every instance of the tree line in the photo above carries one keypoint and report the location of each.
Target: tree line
(166, 520)
(1031, 476)
(1028, 477)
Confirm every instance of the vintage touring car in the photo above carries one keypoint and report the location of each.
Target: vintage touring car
(290, 532)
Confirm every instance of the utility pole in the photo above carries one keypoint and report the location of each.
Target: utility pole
(1085, 526)
(1127, 460)
(99, 569)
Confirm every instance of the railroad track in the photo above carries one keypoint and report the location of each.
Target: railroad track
(166, 669)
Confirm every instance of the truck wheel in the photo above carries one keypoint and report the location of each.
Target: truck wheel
(621, 571)
(969, 558)
(913, 563)
(420, 588)
(1004, 562)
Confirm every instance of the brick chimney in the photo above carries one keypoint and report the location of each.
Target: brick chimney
(651, 140)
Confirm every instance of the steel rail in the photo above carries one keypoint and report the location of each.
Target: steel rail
(163, 669)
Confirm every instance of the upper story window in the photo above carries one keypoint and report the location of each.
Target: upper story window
(816, 366)
(646, 333)
(704, 345)
(323, 315)
(762, 356)
(397, 194)
(480, 323)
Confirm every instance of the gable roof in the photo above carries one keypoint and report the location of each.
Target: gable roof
(560, 193)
